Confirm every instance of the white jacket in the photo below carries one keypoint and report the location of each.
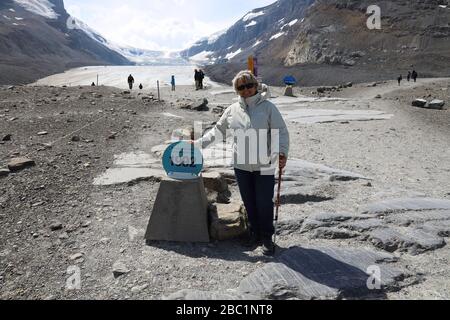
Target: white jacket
(241, 118)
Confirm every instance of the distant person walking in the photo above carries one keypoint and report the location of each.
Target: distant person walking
(414, 75)
(172, 82)
(93, 84)
(408, 76)
(130, 81)
(197, 79)
(141, 86)
(399, 79)
(201, 76)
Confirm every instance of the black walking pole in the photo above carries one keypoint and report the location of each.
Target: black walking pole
(280, 173)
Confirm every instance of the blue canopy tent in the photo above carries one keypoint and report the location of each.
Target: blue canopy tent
(289, 81)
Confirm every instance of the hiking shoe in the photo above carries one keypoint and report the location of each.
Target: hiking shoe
(251, 240)
(268, 247)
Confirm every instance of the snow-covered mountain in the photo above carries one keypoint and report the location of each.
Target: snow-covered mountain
(135, 55)
(254, 31)
(39, 38)
(36, 40)
(328, 41)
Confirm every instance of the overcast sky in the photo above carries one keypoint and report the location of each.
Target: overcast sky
(160, 24)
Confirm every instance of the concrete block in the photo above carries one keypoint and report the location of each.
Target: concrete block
(180, 212)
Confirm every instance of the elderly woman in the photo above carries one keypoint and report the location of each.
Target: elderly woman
(253, 118)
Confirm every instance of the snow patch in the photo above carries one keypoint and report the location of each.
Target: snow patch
(276, 36)
(213, 38)
(233, 54)
(18, 18)
(251, 24)
(6, 17)
(257, 43)
(41, 7)
(202, 56)
(252, 15)
(293, 22)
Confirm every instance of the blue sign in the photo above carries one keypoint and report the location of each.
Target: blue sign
(182, 161)
(290, 80)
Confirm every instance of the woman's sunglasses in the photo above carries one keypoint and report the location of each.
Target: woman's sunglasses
(246, 86)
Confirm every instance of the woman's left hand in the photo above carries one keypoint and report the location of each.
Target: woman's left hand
(283, 160)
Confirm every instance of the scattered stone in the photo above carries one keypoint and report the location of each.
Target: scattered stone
(119, 269)
(349, 63)
(37, 204)
(201, 106)
(113, 135)
(138, 289)
(86, 224)
(63, 236)
(7, 137)
(76, 256)
(4, 172)
(18, 164)
(56, 225)
(419, 103)
(42, 133)
(378, 96)
(76, 139)
(436, 104)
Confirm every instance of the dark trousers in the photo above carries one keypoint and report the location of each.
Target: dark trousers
(257, 192)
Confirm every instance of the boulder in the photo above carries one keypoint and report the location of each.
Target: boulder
(4, 172)
(436, 104)
(227, 221)
(18, 164)
(119, 269)
(419, 103)
(201, 105)
(215, 181)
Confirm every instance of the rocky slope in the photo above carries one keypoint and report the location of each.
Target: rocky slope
(36, 40)
(328, 41)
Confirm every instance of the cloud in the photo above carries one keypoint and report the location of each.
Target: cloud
(159, 24)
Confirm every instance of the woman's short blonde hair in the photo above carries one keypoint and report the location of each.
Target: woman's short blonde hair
(245, 76)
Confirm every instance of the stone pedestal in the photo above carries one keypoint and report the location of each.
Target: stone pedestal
(289, 91)
(180, 212)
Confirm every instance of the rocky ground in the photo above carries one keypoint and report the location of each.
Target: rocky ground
(357, 196)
